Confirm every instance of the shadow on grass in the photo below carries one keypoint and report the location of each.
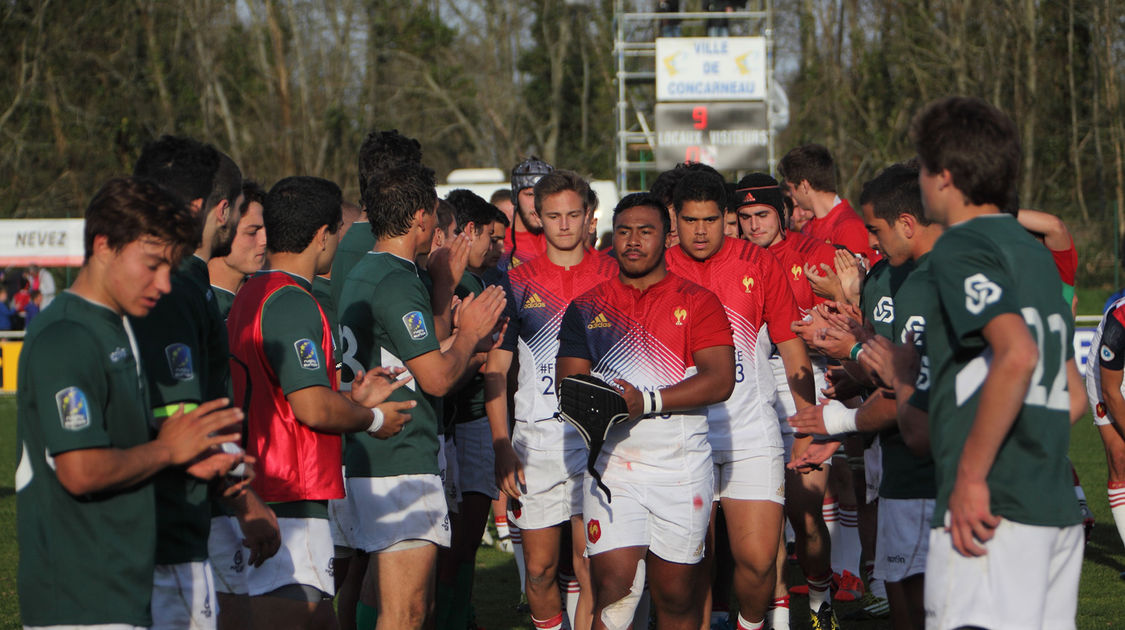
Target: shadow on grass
(1104, 548)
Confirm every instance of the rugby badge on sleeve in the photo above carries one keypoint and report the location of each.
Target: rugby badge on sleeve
(306, 354)
(415, 325)
(74, 410)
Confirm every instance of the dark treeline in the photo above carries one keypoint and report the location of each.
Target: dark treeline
(292, 86)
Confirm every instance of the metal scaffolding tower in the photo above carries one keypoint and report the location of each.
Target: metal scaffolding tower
(635, 34)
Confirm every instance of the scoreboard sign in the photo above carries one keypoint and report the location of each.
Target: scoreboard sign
(727, 136)
(710, 68)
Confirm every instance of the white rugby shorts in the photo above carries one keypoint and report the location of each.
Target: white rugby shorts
(1027, 580)
(394, 509)
(228, 555)
(555, 485)
(750, 475)
(671, 520)
(903, 538)
(305, 557)
(183, 596)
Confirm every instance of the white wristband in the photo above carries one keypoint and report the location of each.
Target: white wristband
(838, 419)
(376, 420)
(658, 401)
(646, 403)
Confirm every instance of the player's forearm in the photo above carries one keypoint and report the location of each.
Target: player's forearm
(495, 373)
(454, 362)
(1077, 390)
(91, 470)
(876, 413)
(798, 372)
(322, 409)
(1114, 402)
(914, 425)
(713, 383)
(1001, 398)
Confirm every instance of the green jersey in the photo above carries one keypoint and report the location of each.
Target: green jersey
(357, 241)
(385, 319)
(983, 268)
(82, 560)
(183, 343)
(322, 291)
(467, 403)
(905, 475)
(877, 298)
(223, 300)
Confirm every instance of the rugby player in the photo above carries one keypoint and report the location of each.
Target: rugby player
(892, 208)
(247, 250)
(183, 344)
(280, 334)
(87, 448)
(762, 217)
(746, 444)
(224, 546)
(1105, 388)
(527, 231)
(651, 329)
(386, 309)
(1006, 548)
(541, 465)
(809, 174)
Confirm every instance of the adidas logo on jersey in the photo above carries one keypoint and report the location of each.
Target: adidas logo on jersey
(599, 322)
(534, 301)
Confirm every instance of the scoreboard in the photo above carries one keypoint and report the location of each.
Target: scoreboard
(726, 135)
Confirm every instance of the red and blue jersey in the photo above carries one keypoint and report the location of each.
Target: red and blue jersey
(648, 338)
(538, 293)
(754, 292)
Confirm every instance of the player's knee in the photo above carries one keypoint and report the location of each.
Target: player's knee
(541, 573)
(617, 597)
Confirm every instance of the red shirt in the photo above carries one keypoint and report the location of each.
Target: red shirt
(793, 252)
(1067, 263)
(648, 338)
(295, 463)
(842, 226)
(527, 246)
(755, 292)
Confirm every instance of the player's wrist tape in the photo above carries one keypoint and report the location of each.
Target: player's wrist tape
(838, 419)
(653, 402)
(856, 349)
(376, 420)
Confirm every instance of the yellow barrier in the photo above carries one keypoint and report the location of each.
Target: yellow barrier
(9, 361)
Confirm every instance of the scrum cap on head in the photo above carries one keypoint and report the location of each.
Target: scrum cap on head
(759, 189)
(527, 173)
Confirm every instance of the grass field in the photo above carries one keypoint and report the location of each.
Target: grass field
(497, 590)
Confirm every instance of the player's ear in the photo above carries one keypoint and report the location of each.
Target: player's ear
(908, 224)
(419, 217)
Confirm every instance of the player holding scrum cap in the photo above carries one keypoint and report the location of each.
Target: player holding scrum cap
(653, 330)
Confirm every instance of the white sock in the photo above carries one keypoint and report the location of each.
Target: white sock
(846, 546)
(517, 548)
(778, 614)
(819, 591)
(830, 510)
(1117, 506)
(502, 526)
(747, 625)
(568, 584)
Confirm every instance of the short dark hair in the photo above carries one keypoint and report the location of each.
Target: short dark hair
(252, 192)
(561, 180)
(500, 194)
(446, 214)
(184, 166)
(393, 196)
(893, 192)
(384, 150)
(665, 183)
(470, 208)
(812, 163)
(126, 208)
(501, 218)
(700, 186)
(296, 208)
(977, 143)
(226, 185)
(638, 199)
